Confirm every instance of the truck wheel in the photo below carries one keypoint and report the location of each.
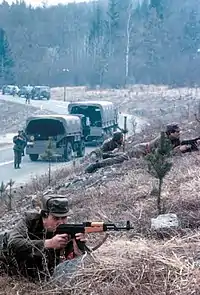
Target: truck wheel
(81, 149)
(68, 153)
(33, 157)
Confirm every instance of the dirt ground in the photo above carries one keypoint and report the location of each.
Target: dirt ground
(141, 261)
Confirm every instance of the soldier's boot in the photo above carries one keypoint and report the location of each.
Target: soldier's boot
(18, 165)
(15, 163)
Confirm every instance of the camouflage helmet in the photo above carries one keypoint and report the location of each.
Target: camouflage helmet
(54, 204)
(117, 135)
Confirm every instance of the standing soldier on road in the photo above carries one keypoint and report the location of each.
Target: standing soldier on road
(18, 148)
(28, 97)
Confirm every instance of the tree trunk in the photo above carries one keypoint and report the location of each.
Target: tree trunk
(49, 178)
(128, 31)
(159, 196)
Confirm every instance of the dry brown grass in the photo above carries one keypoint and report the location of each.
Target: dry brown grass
(136, 267)
(136, 98)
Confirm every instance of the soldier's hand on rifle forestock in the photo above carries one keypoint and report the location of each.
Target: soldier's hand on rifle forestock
(81, 237)
(57, 242)
(185, 147)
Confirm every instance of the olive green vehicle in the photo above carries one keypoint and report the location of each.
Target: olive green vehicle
(101, 119)
(64, 131)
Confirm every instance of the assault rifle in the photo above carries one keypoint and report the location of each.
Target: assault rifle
(89, 227)
(192, 143)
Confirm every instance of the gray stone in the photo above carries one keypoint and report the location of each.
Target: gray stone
(163, 221)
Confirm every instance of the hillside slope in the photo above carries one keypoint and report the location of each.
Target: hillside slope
(140, 261)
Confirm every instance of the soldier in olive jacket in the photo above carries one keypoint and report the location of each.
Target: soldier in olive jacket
(18, 148)
(31, 249)
(110, 147)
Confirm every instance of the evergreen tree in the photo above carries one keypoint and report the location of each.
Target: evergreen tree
(6, 61)
(49, 152)
(159, 165)
(158, 5)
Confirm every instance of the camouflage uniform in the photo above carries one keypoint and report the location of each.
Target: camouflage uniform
(110, 147)
(18, 148)
(24, 251)
(142, 149)
(106, 162)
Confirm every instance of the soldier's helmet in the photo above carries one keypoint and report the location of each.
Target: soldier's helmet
(54, 204)
(117, 135)
(171, 128)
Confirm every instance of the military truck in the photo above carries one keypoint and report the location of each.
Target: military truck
(101, 119)
(65, 132)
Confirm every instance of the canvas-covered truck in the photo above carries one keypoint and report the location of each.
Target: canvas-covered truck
(101, 118)
(63, 133)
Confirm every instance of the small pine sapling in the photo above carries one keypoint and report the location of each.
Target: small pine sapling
(159, 165)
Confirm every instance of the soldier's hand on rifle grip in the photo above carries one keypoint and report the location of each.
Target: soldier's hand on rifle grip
(57, 242)
(78, 243)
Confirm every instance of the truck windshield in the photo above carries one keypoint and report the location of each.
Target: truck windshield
(45, 127)
(91, 112)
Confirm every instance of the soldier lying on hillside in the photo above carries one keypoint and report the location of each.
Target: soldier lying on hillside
(111, 147)
(172, 132)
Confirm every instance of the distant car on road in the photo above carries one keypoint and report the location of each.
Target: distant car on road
(10, 89)
(40, 92)
(25, 91)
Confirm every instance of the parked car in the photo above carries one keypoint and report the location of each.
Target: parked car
(25, 91)
(10, 89)
(40, 92)
(65, 132)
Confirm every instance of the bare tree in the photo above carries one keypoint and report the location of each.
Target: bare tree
(129, 27)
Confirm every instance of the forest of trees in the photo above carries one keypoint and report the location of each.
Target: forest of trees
(110, 43)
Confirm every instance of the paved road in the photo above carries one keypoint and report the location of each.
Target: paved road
(30, 169)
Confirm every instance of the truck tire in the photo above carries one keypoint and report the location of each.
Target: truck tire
(68, 152)
(81, 149)
(34, 157)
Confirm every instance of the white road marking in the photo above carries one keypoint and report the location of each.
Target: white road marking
(61, 106)
(6, 147)
(6, 163)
